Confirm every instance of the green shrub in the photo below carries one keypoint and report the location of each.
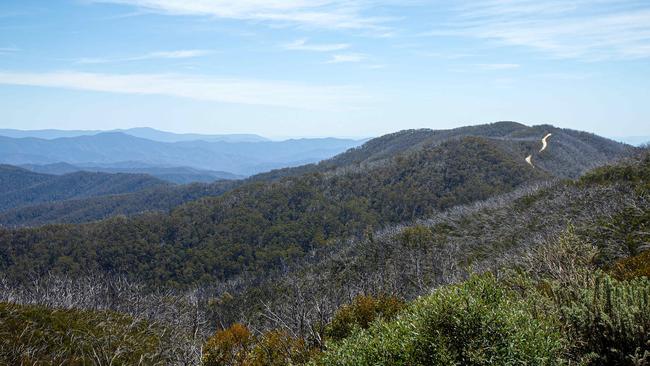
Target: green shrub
(610, 320)
(478, 322)
(363, 310)
(37, 335)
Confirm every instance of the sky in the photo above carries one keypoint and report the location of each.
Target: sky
(355, 68)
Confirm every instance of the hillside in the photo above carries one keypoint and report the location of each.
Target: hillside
(157, 199)
(509, 273)
(511, 265)
(570, 153)
(23, 188)
(261, 225)
(321, 267)
(265, 224)
(573, 152)
(177, 175)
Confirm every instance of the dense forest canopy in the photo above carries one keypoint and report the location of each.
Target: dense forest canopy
(265, 224)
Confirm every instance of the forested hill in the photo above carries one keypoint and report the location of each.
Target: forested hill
(21, 187)
(261, 226)
(549, 272)
(74, 211)
(572, 153)
(569, 153)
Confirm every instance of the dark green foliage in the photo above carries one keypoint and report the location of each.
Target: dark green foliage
(478, 322)
(22, 187)
(572, 153)
(157, 199)
(260, 227)
(609, 320)
(36, 335)
(635, 172)
(13, 178)
(626, 233)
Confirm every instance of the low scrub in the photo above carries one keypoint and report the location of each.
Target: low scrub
(478, 322)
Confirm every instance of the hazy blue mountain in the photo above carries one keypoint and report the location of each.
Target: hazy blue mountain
(241, 158)
(142, 132)
(178, 175)
(48, 134)
(163, 136)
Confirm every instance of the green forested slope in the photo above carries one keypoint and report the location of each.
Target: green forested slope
(155, 199)
(23, 188)
(260, 226)
(570, 154)
(542, 254)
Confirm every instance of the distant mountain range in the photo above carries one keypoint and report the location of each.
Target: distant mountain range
(570, 153)
(174, 157)
(142, 132)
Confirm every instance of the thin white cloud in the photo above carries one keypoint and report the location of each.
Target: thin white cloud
(178, 54)
(333, 14)
(8, 50)
(302, 45)
(498, 66)
(349, 57)
(579, 29)
(253, 92)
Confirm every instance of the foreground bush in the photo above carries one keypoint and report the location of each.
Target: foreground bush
(278, 348)
(37, 335)
(609, 321)
(228, 346)
(632, 267)
(363, 310)
(237, 346)
(478, 322)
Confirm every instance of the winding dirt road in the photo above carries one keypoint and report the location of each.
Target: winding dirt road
(544, 141)
(529, 158)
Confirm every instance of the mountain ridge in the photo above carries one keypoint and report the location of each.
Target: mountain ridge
(24, 188)
(241, 158)
(142, 132)
(270, 219)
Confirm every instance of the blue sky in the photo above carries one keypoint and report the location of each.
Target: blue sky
(285, 68)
